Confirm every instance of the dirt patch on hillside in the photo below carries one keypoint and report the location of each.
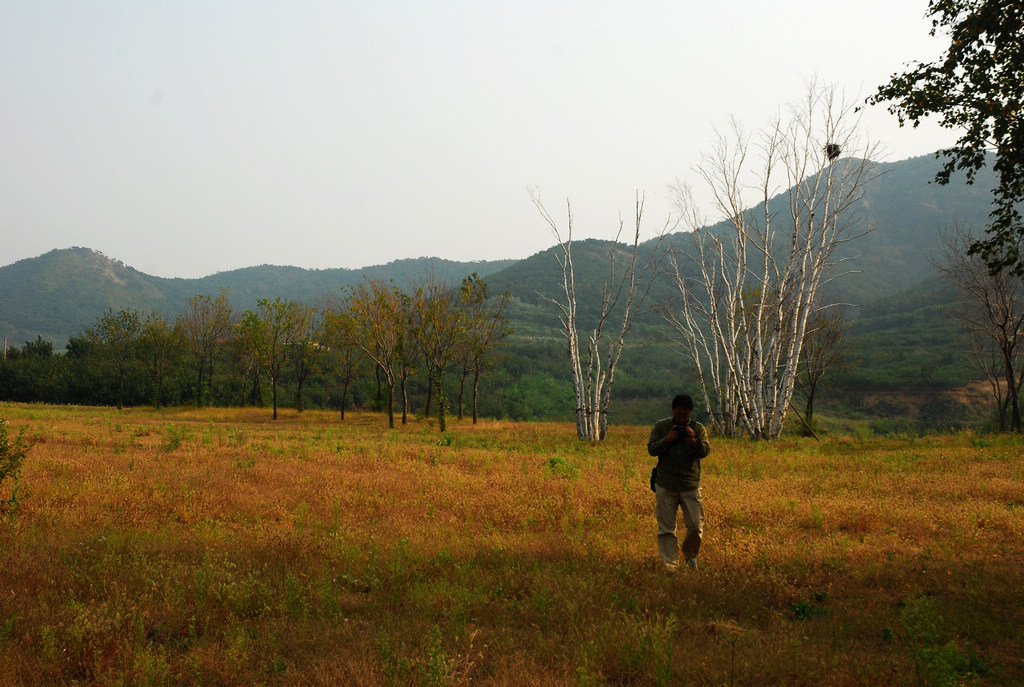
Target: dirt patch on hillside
(977, 395)
(925, 409)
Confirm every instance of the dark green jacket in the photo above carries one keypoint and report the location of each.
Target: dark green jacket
(678, 461)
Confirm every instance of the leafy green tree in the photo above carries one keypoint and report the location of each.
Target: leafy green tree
(39, 348)
(84, 382)
(206, 325)
(247, 361)
(116, 336)
(160, 348)
(377, 313)
(31, 374)
(408, 361)
(977, 88)
(485, 326)
(437, 322)
(270, 332)
(344, 358)
(408, 357)
(306, 355)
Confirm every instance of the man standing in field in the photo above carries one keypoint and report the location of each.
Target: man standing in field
(679, 443)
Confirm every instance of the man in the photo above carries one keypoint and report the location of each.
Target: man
(679, 443)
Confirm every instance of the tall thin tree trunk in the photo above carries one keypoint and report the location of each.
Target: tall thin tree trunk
(462, 389)
(273, 393)
(442, 417)
(430, 394)
(391, 406)
(405, 399)
(344, 398)
(476, 388)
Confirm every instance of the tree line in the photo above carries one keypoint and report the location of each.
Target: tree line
(444, 336)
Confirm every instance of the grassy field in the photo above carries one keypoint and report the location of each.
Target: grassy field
(218, 547)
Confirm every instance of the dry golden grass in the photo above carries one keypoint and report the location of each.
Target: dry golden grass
(218, 547)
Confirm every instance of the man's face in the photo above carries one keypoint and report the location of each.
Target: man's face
(681, 415)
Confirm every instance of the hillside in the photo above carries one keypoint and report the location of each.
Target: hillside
(907, 215)
(56, 294)
(900, 331)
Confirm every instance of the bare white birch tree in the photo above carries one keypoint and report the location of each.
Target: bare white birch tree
(749, 285)
(622, 295)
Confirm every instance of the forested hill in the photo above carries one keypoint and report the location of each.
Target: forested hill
(57, 294)
(909, 214)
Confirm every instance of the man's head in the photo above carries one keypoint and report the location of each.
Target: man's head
(682, 406)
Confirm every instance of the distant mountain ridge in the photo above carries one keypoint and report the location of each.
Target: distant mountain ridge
(59, 293)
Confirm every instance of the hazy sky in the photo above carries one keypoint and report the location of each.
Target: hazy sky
(187, 137)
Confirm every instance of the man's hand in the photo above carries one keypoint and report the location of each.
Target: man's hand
(684, 432)
(687, 434)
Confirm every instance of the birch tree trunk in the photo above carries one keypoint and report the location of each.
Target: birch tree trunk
(623, 294)
(748, 289)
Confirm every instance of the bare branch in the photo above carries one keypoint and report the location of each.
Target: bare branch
(748, 290)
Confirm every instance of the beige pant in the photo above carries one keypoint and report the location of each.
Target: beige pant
(668, 504)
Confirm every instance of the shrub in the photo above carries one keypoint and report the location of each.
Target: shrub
(943, 413)
(12, 456)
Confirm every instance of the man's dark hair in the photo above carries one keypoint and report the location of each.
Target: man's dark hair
(683, 400)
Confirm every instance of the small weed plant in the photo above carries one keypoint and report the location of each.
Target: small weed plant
(12, 457)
